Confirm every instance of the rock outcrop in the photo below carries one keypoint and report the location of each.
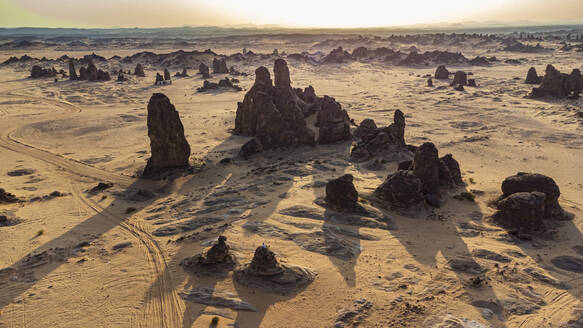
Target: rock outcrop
(366, 129)
(220, 66)
(341, 193)
(337, 56)
(441, 73)
(333, 122)
(204, 71)
(403, 189)
(72, 72)
(223, 84)
(532, 77)
(38, 72)
(167, 75)
(6, 197)
(380, 140)
(139, 70)
(560, 85)
(460, 78)
(92, 73)
(167, 142)
(527, 200)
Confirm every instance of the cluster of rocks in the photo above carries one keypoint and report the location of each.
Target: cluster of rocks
(184, 73)
(92, 73)
(527, 200)
(436, 56)
(560, 85)
(163, 80)
(420, 179)
(168, 144)
(376, 141)
(215, 259)
(275, 113)
(39, 72)
(337, 56)
(220, 66)
(460, 78)
(6, 197)
(225, 83)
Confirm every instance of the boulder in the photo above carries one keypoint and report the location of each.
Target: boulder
(366, 129)
(167, 141)
(522, 211)
(441, 73)
(251, 147)
(6, 197)
(341, 193)
(139, 70)
(401, 189)
(204, 71)
(220, 66)
(453, 168)
(429, 82)
(532, 77)
(534, 182)
(460, 78)
(333, 122)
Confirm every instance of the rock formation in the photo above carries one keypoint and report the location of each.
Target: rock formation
(360, 52)
(159, 79)
(527, 200)
(251, 147)
(429, 82)
(139, 70)
(204, 71)
(223, 84)
(6, 197)
(532, 77)
(337, 56)
(218, 253)
(72, 73)
(421, 178)
(220, 66)
(441, 73)
(333, 122)
(121, 77)
(380, 140)
(460, 78)
(472, 83)
(366, 129)
(560, 85)
(38, 72)
(91, 73)
(167, 142)
(167, 75)
(341, 193)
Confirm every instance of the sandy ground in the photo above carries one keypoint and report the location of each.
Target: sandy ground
(71, 135)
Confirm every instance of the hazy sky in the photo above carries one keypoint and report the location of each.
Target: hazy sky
(297, 13)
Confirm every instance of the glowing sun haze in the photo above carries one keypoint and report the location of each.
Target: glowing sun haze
(295, 13)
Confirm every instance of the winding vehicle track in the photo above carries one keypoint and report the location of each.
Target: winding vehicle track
(163, 307)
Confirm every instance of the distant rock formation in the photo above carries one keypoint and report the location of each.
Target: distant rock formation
(472, 83)
(360, 52)
(167, 142)
(167, 75)
(72, 73)
(204, 71)
(379, 141)
(220, 66)
(91, 73)
(430, 82)
(436, 56)
(139, 70)
(38, 72)
(183, 74)
(337, 56)
(460, 78)
(441, 73)
(223, 84)
(560, 85)
(532, 77)
(121, 77)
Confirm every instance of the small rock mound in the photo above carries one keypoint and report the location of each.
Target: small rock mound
(441, 73)
(166, 132)
(223, 84)
(460, 78)
(204, 71)
(337, 56)
(39, 72)
(6, 197)
(380, 140)
(217, 258)
(341, 193)
(266, 273)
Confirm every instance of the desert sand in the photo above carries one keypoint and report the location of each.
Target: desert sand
(112, 258)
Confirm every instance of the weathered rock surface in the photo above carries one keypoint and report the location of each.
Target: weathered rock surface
(72, 73)
(223, 84)
(167, 75)
(337, 56)
(333, 122)
(38, 72)
(92, 73)
(380, 140)
(366, 129)
(211, 297)
(401, 189)
(522, 211)
(426, 168)
(166, 132)
(6, 197)
(460, 78)
(560, 85)
(253, 146)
